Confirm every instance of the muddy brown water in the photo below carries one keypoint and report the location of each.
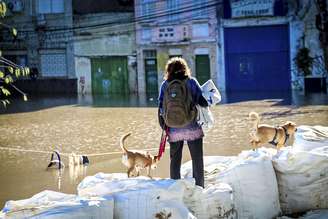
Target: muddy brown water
(86, 129)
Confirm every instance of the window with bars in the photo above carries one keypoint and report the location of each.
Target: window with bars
(53, 64)
(50, 6)
(149, 54)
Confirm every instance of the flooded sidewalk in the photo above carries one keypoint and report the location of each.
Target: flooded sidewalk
(94, 125)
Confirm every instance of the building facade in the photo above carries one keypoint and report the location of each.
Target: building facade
(44, 40)
(166, 29)
(259, 42)
(122, 46)
(104, 47)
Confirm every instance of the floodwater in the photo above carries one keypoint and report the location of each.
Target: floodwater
(88, 125)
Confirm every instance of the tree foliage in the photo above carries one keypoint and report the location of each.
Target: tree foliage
(304, 61)
(9, 71)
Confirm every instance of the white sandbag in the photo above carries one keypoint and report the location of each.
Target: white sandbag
(302, 179)
(139, 197)
(215, 201)
(316, 214)
(252, 178)
(50, 204)
(310, 137)
(213, 165)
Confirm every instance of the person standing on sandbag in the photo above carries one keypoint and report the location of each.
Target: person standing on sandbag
(177, 113)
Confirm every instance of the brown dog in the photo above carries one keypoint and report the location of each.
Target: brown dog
(134, 160)
(276, 136)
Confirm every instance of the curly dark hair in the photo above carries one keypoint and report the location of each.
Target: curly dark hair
(176, 68)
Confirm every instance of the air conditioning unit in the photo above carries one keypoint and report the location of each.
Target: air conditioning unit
(41, 20)
(15, 6)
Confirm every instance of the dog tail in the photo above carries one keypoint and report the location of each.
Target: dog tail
(255, 117)
(122, 142)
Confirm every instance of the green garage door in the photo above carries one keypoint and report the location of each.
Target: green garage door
(202, 68)
(110, 75)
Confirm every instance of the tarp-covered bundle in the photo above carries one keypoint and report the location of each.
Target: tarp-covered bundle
(139, 197)
(252, 179)
(51, 205)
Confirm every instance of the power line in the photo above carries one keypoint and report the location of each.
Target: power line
(109, 31)
(147, 18)
(62, 16)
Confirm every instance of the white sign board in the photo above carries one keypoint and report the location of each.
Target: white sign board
(251, 8)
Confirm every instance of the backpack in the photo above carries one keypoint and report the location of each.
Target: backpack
(178, 108)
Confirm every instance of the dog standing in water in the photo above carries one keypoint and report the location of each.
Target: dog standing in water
(263, 133)
(137, 160)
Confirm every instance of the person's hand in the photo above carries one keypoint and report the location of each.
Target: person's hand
(161, 120)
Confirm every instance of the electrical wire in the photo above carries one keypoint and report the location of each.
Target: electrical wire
(146, 18)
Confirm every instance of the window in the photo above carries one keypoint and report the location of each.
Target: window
(150, 54)
(53, 64)
(173, 10)
(147, 8)
(50, 6)
(200, 30)
(146, 34)
(200, 9)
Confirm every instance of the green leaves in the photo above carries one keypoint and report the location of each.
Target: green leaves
(3, 9)
(8, 79)
(4, 91)
(14, 32)
(11, 69)
(304, 61)
(27, 71)
(17, 72)
(24, 71)
(5, 102)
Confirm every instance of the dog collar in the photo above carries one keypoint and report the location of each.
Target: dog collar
(286, 134)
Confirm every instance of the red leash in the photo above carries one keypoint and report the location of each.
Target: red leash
(162, 143)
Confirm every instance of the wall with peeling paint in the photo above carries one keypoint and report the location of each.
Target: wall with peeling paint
(107, 40)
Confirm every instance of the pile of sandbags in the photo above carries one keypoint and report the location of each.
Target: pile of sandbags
(139, 197)
(302, 179)
(254, 184)
(252, 179)
(51, 205)
(302, 171)
(215, 201)
(308, 138)
(144, 198)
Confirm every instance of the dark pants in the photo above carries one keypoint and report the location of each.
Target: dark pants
(196, 152)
